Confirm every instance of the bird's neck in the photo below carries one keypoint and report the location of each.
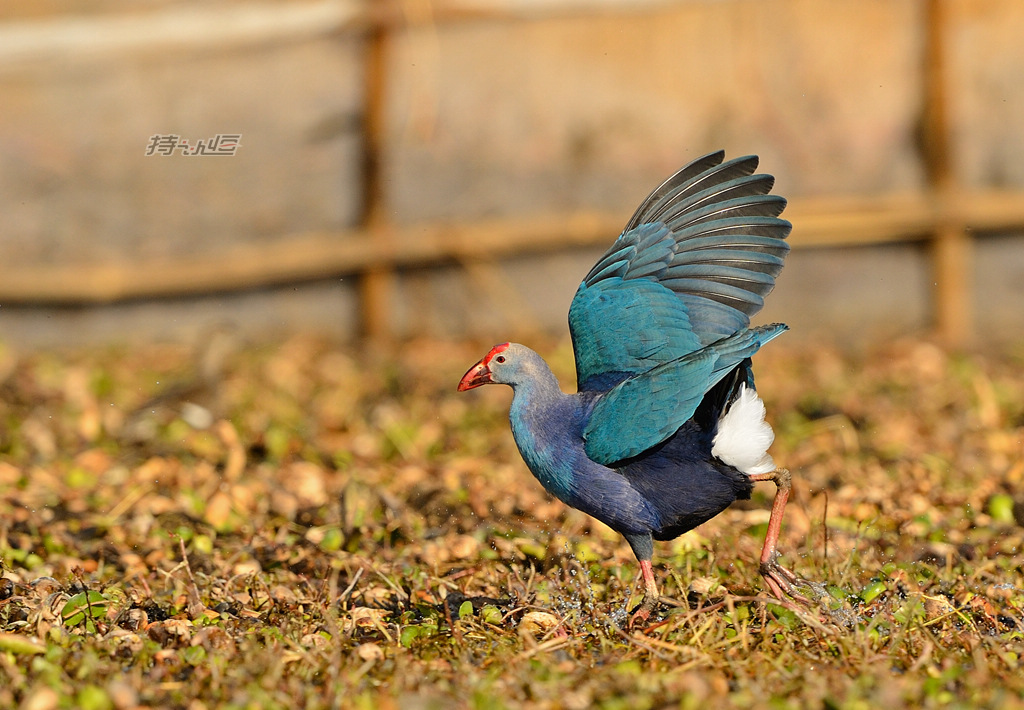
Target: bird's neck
(543, 420)
(541, 386)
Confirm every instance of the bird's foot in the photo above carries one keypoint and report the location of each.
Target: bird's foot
(643, 612)
(651, 596)
(784, 583)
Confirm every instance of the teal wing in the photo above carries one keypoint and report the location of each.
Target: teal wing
(620, 327)
(643, 410)
(692, 266)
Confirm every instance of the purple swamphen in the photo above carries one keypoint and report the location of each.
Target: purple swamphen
(665, 429)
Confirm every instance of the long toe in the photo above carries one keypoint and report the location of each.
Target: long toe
(643, 612)
(783, 583)
(639, 618)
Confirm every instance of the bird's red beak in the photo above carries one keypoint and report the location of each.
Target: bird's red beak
(478, 375)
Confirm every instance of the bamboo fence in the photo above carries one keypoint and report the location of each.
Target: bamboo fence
(944, 216)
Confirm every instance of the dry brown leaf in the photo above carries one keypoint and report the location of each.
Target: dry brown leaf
(537, 623)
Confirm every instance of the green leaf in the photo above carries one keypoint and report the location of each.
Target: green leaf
(871, 592)
(428, 612)
(332, 541)
(411, 633)
(84, 605)
(408, 635)
(1000, 507)
(630, 667)
(491, 614)
(93, 698)
(532, 549)
(784, 616)
(194, 655)
(202, 543)
(20, 645)
(465, 609)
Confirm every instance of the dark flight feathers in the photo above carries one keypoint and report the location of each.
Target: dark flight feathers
(664, 314)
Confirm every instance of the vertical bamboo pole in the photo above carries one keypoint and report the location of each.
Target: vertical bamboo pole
(952, 250)
(377, 283)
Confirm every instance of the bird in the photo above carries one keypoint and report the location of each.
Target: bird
(665, 429)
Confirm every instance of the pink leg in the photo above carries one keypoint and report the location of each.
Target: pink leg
(779, 579)
(650, 594)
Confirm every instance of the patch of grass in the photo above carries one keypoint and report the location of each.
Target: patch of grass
(315, 527)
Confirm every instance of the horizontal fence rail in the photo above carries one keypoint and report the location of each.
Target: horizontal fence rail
(835, 222)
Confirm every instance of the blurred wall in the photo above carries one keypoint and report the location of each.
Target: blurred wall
(546, 111)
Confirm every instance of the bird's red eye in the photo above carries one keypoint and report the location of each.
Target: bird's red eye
(500, 358)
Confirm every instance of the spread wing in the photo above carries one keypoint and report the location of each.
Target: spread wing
(693, 264)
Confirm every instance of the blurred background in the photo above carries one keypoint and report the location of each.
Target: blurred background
(451, 168)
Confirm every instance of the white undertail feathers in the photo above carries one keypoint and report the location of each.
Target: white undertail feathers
(744, 436)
